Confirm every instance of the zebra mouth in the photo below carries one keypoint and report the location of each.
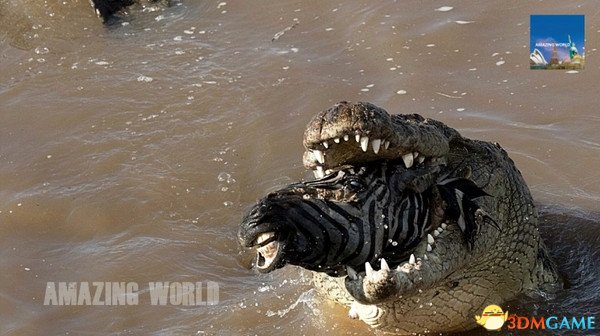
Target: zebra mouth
(268, 252)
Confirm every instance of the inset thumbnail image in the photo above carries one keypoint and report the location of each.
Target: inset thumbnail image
(557, 42)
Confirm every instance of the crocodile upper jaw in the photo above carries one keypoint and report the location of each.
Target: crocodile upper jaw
(359, 133)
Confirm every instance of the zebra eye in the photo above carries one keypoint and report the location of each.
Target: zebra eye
(355, 185)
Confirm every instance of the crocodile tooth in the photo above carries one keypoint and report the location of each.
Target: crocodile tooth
(408, 160)
(364, 143)
(444, 225)
(425, 257)
(329, 171)
(421, 159)
(357, 137)
(430, 239)
(336, 140)
(319, 173)
(436, 233)
(353, 314)
(368, 269)
(319, 156)
(346, 137)
(386, 144)
(376, 145)
(325, 144)
(351, 273)
(416, 154)
(384, 265)
(429, 248)
(411, 260)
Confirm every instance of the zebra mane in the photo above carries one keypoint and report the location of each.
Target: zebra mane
(458, 193)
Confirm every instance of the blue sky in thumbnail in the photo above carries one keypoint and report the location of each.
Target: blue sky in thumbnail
(554, 29)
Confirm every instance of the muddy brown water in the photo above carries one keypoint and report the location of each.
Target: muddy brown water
(130, 153)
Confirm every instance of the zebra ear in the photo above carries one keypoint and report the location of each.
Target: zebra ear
(465, 185)
(458, 193)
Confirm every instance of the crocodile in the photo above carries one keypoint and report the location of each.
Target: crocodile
(411, 226)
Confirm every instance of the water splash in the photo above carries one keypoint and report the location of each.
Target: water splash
(306, 298)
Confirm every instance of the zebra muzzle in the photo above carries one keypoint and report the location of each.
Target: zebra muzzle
(268, 250)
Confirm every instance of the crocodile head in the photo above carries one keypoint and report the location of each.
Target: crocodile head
(360, 133)
(399, 207)
(381, 171)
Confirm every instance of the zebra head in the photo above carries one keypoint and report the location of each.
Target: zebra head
(383, 187)
(347, 218)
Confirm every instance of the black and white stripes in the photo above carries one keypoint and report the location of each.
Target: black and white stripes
(357, 215)
(382, 221)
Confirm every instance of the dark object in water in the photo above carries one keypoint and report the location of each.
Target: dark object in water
(106, 8)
